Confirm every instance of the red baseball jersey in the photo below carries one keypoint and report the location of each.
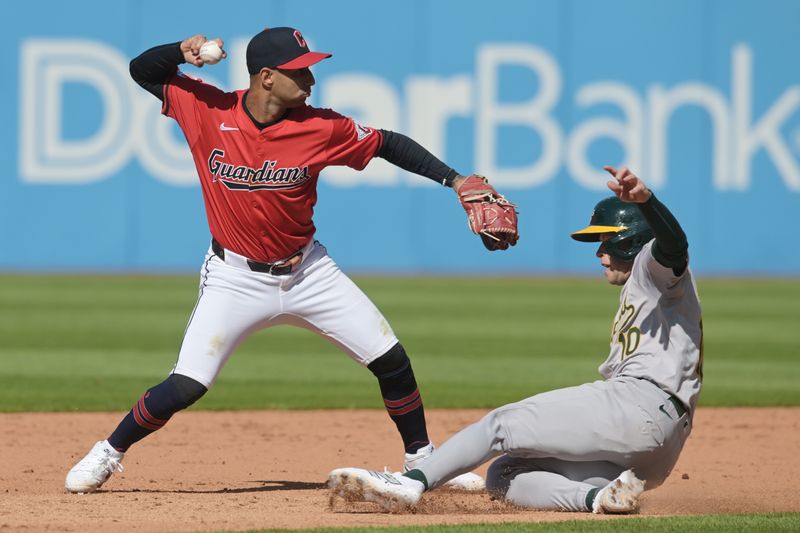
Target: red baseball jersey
(260, 185)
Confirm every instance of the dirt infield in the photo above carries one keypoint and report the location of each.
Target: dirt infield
(248, 470)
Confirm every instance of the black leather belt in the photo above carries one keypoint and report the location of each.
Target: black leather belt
(674, 400)
(280, 268)
(679, 407)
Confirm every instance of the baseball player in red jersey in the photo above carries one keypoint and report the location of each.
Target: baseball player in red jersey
(258, 154)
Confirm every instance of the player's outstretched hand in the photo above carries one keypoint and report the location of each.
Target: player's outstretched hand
(191, 49)
(627, 186)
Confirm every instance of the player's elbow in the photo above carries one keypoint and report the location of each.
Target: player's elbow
(675, 256)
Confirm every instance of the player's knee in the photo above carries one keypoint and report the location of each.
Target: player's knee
(187, 389)
(390, 364)
(499, 422)
(174, 394)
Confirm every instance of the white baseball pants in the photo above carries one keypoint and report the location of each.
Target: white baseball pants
(235, 302)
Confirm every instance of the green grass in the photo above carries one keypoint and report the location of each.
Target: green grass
(682, 524)
(96, 342)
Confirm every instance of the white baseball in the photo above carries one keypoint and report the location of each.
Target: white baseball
(210, 52)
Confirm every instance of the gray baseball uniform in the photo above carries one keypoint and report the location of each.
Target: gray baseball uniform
(559, 445)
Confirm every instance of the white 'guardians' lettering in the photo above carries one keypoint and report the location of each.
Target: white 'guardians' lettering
(244, 178)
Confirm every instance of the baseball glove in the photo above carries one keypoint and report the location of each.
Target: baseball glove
(489, 214)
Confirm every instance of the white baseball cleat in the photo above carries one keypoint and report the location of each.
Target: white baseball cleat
(619, 496)
(393, 492)
(94, 469)
(467, 482)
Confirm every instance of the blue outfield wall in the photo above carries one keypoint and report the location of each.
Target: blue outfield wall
(702, 98)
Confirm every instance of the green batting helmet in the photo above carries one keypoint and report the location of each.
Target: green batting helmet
(623, 220)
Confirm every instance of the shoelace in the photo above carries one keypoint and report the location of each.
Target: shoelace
(114, 464)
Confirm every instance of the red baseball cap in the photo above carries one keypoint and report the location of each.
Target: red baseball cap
(280, 48)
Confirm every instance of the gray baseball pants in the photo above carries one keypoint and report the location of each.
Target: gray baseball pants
(559, 445)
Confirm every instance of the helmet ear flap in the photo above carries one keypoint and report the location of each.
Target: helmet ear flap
(627, 245)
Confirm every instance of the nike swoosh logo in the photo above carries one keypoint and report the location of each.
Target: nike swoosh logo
(223, 127)
(661, 408)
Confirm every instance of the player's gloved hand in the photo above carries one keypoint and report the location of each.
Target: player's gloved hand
(489, 214)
